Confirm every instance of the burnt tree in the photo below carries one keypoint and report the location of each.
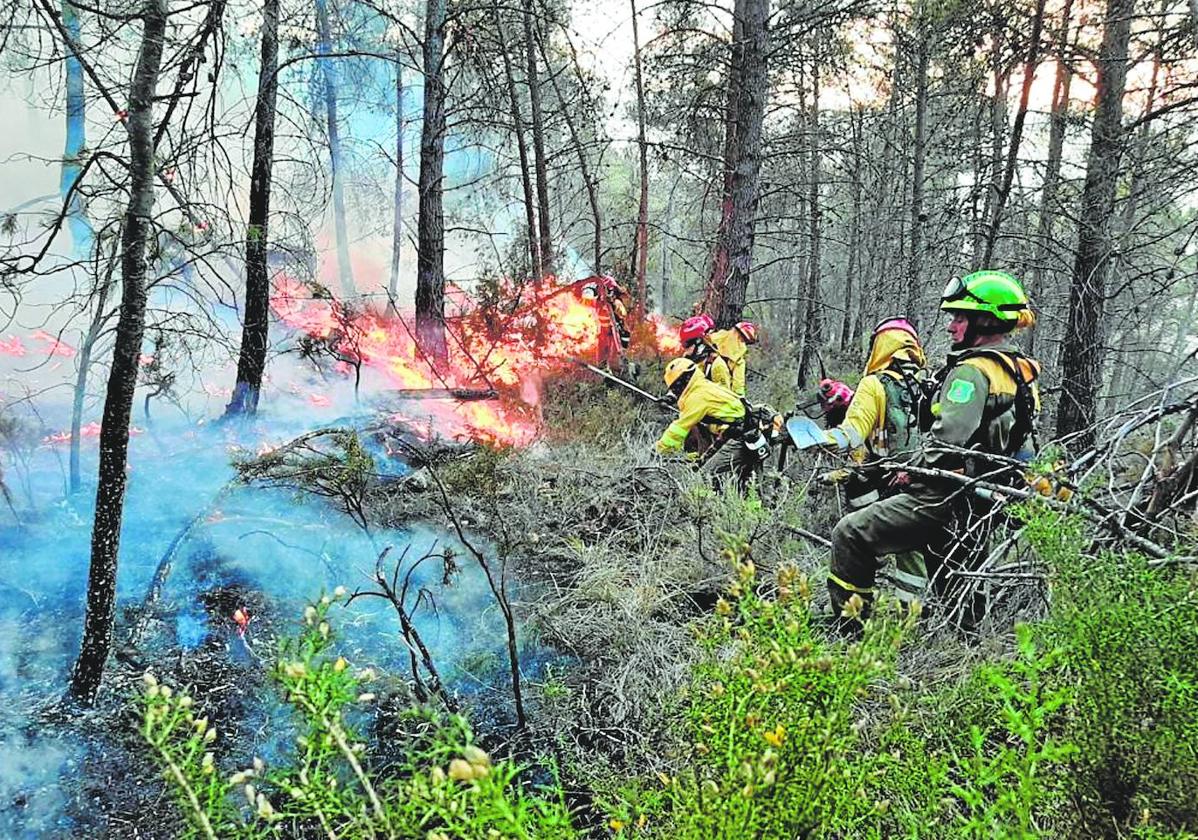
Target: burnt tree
(122, 378)
(430, 224)
(747, 92)
(254, 333)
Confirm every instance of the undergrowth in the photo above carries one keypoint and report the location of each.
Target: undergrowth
(445, 787)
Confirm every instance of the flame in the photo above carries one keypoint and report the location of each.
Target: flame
(525, 332)
(12, 346)
(86, 431)
(54, 347)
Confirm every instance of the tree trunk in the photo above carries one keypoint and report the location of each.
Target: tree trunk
(584, 168)
(255, 331)
(530, 207)
(85, 359)
(122, 378)
(998, 122)
(813, 336)
(750, 113)
(344, 270)
(1052, 168)
(1008, 176)
(853, 264)
(397, 218)
(72, 166)
(430, 226)
(1081, 351)
(918, 160)
(642, 215)
(719, 262)
(538, 142)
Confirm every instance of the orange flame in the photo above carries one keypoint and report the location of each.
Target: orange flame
(524, 332)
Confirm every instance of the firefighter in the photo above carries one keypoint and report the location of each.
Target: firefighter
(883, 421)
(615, 295)
(740, 448)
(695, 346)
(987, 402)
(733, 345)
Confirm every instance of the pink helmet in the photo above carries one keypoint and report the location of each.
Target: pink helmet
(895, 323)
(695, 327)
(748, 330)
(834, 394)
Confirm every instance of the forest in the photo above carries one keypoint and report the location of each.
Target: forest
(548, 419)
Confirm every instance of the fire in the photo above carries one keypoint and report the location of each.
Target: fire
(12, 346)
(529, 331)
(54, 347)
(86, 431)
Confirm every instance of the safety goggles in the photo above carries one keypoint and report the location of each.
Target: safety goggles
(958, 289)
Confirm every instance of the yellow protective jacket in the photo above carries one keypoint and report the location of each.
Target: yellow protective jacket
(731, 345)
(865, 420)
(703, 402)
(714, 367)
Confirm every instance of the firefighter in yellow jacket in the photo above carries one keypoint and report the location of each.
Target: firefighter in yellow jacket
(733, 345)
(987, 402)
(740, 446)
(883, 422)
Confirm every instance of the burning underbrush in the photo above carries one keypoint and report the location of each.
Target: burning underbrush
(497, 355)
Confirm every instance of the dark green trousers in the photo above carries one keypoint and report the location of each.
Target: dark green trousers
(937, 525)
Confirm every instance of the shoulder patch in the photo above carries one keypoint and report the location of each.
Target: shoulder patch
(960, 391)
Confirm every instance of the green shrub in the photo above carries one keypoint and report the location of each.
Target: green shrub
(1128, 633)
(771, 720)
(445, 786)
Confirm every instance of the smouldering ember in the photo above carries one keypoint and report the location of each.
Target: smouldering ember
(540, 328)
(54, 347)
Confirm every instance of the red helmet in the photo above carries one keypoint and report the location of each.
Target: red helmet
(694, 327)
(748, 331)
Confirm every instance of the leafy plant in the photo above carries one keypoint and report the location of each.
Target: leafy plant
(445, 786)
(1005, 784)
(771, 718)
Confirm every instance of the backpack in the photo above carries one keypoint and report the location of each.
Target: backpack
(907, 403)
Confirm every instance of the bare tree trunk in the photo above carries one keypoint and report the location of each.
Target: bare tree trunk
(76, 141)
(998, 122)
(344, 270)
(584, 168)
(1052, 168)
(430, 227)
(919, 154)
(1082, 349)
(122, 378)
(642, 215)
(530, 210)
(255, 332)
(397, 219)
(85, 359)
(538, 141)
(813, 336)
(1008, 176)
(853, 263)
(750, 113)
(719, 262)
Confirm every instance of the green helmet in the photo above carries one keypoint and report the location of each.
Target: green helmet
(994, 292)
